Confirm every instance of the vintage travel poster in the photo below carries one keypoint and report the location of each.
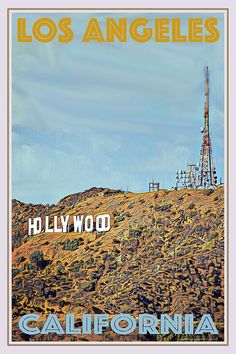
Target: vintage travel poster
(118, 168)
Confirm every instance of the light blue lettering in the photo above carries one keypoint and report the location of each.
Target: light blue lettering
(206, 325)
(167, 323)
(115, 324)
(52, 325)
(23, 324)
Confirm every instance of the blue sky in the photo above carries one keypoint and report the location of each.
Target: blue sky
(110, 114)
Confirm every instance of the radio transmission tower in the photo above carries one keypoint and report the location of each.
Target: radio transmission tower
(207, 174)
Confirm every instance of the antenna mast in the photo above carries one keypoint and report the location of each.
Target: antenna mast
(207, 173)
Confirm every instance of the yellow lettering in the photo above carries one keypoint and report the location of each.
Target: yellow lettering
(52, 30)
(133, 30)
(161, 29)
(176, 33)
(214, 36)
(64, 24)
(21, 31)
(93, 32)
(118, 30)
(195, 29)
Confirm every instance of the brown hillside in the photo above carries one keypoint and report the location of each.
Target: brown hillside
(163, 254)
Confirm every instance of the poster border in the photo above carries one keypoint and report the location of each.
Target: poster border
(226, 191)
